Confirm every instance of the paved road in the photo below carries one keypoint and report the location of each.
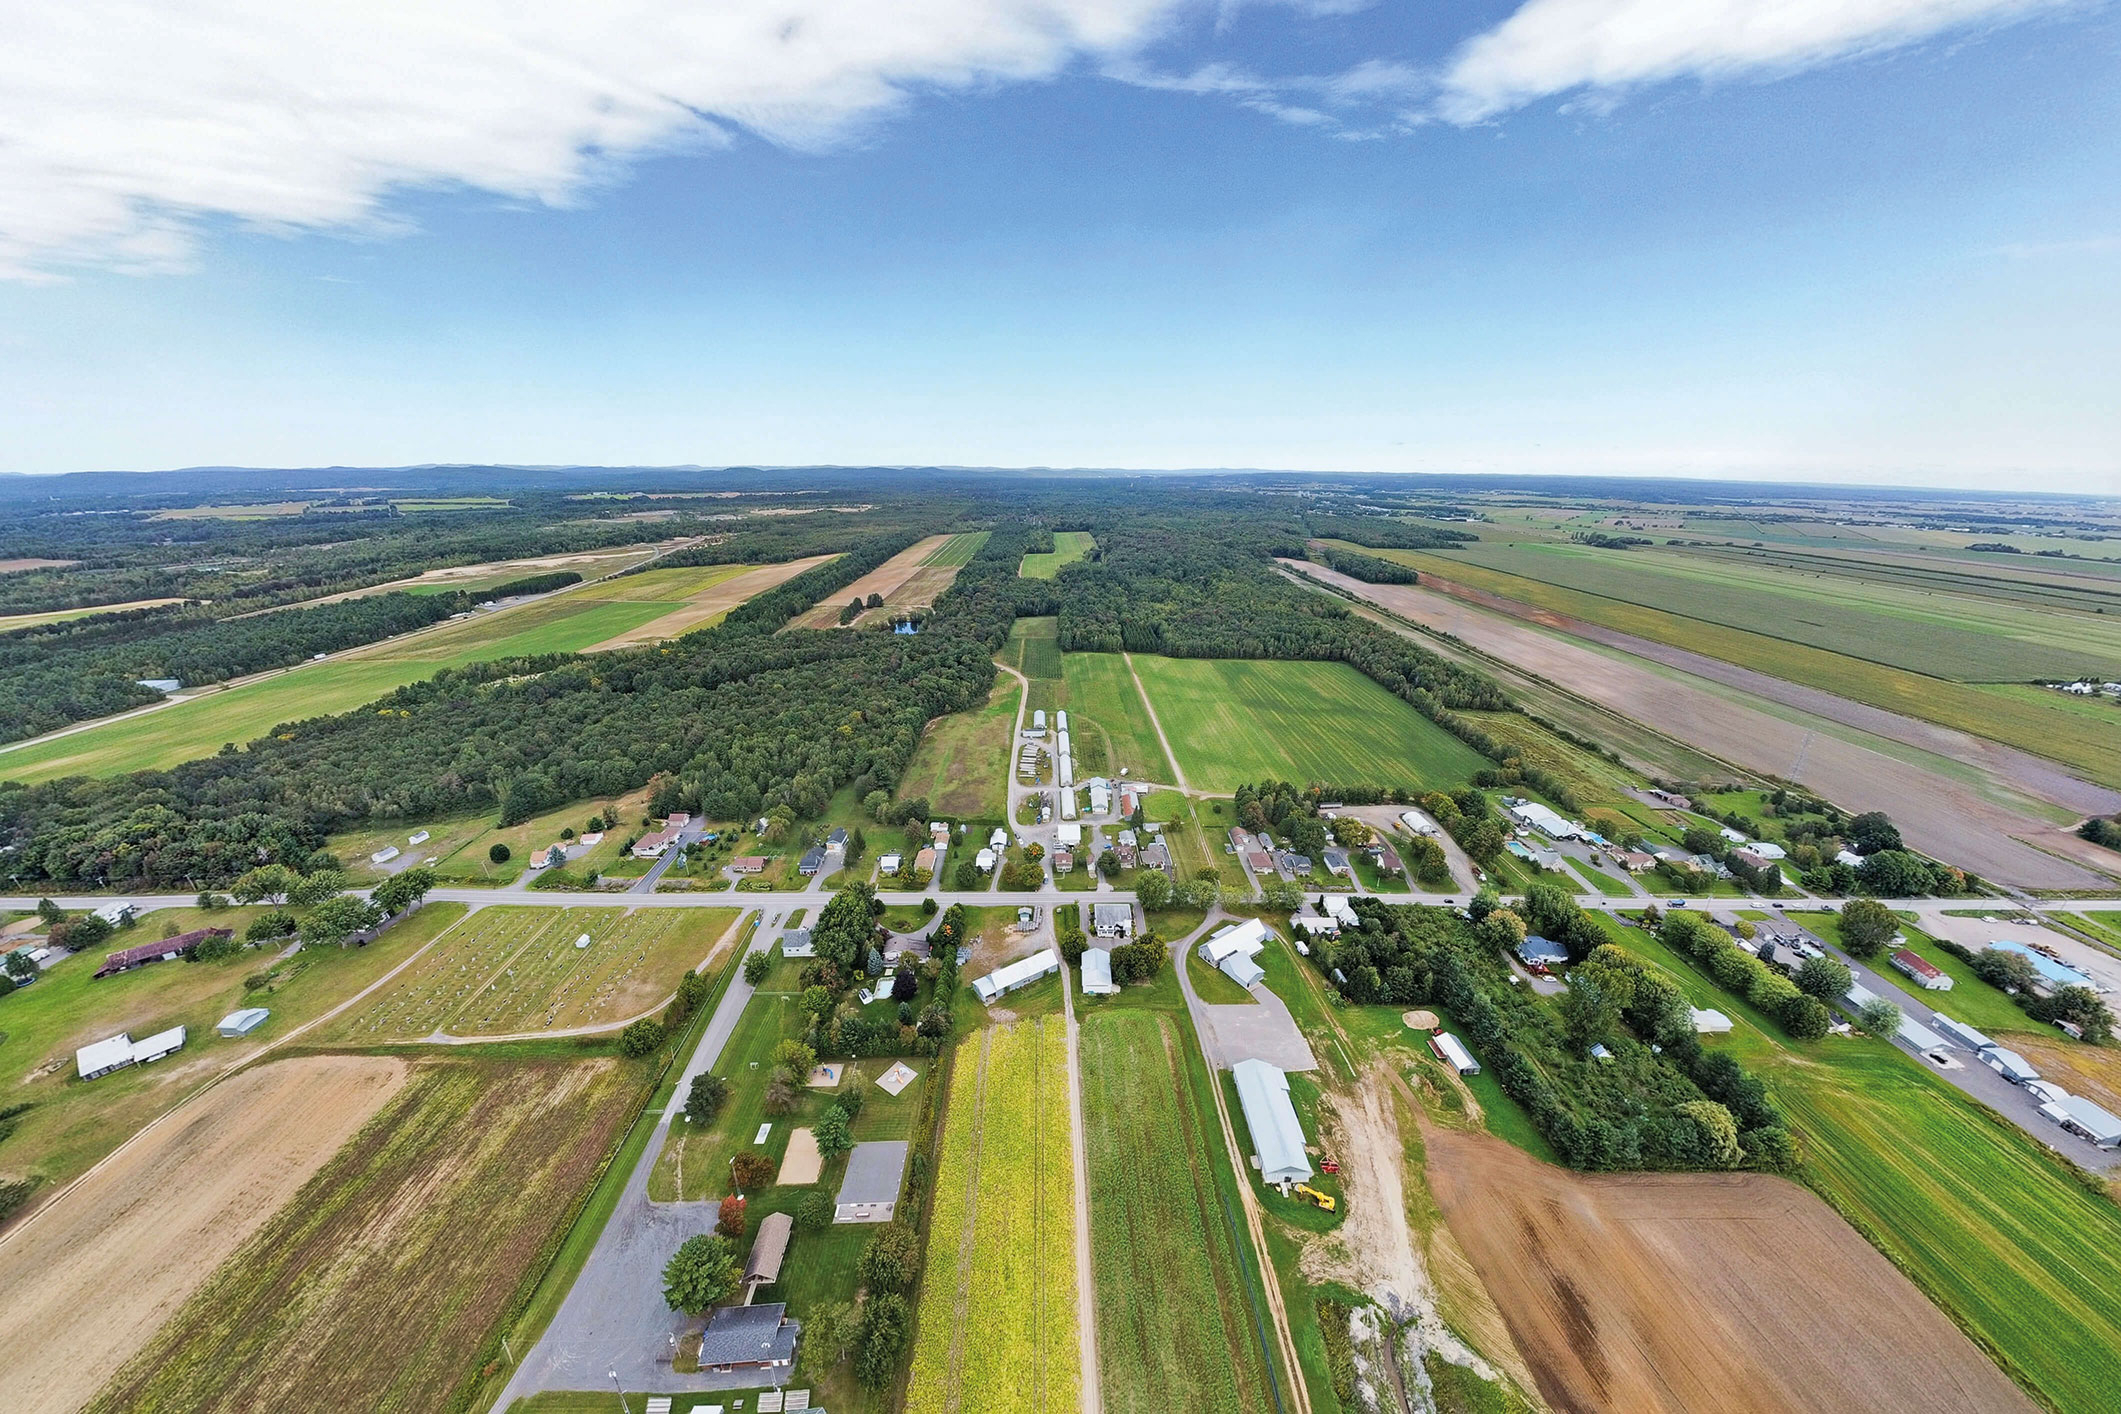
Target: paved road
(614, 1317)
(1235, 1031)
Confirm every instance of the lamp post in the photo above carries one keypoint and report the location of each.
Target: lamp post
(621, 1389)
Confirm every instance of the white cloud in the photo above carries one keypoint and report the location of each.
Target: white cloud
(1557, 46)
(124, 123)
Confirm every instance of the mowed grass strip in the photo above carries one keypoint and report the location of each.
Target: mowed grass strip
(562, 623)
(958, 550)
(998, 1318)
(1068, 547)
(381, 1285)
(1105, 708)
(2020, 1254)
(1172, 1325)
(1233, 721)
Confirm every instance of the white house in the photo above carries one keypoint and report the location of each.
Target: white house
(1112, 920)
(984, 861)
(1246, 938)
(1277, 1135)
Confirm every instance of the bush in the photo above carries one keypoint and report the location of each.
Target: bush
(814, 1212)
(1805, 1018)
(1880, 1018)
(850, 1100)
(751, 1170)
(756, 966)
(214, 949)
(642, 1039)
(498, 853)
(271, 924)
(703, 1100)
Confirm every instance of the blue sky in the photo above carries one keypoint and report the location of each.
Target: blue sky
(1105, 233)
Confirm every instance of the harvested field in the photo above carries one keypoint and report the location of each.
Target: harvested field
(1964, 822)
(997, 1319)
(511, 971)
(19, 566)
(708, 606)
(10, 622)
(962, 763)
(98, 1273)
(1693, 1292)
(919, 572)
(381, 1284)
(2091, 1071)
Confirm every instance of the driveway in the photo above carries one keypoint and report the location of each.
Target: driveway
(1228, 1034)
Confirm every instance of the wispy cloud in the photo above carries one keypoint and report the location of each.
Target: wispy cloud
(123, 124)
(1366, 100)
(1604, 47)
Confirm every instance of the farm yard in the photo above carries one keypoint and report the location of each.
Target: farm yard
(996, 1329)
(456, 1191)
(573, 621)
(961, 765)
(517, 970)
(911, 579)
(97, 1275)
(1233, 721)
(1176, 1323)
(1068, 547)
(1681, 1292)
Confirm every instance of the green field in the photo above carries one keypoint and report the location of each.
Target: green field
(1068, 547)
(961, 766)
(516, 970)
(1105, 713)
(560, 623)
(996, 1328)
(1034, 650)
(1961, 635)
(1233, 721)
(1176, 1322)
(958, 550)
(2040, 722)
(382, 1285)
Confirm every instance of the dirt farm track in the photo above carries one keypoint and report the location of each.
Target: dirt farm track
(85, 1283)
(1700, 1292)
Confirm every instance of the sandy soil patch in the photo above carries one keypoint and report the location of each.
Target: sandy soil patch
(1694, 1292)
(1419, 1020)
(885, 579)
(711, 603)
(88, 1280)
(1940, 815)
(802, 1163)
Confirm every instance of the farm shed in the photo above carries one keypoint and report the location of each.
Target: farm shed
(768, 1250)
(1533, 815)
(796, 943)
(1453, 1053)
(1417, 823)
(1710, 1022)
(242, 1023)
(1243, 969)
(384, 855)
(126, 959)
(748, 1338)
(2091, 1122)
(1959, 1031)
(1097, 973)
(1924, 973)
(1277, 1136)
(869, 1192)
(1247, 938)
(1112, 920)
(1020, 973)
(1919, 1036)
(2009, 1064)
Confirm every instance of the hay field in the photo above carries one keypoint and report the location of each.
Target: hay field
(1068, 547)
(91, 1279)
(1106, 708)
(996, 1329)
(962, 763)
(911, 579)
(709, 603)
(1699, 1292)
(381, 1285)
(567, 622)
(10, 622)
(516, 971)
(1175, 1320)
(1233, 721)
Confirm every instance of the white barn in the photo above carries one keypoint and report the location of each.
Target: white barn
(1243, 969)
(1020, 973)
(1277, 1136)
(1246, 938)
(1097, 973)
(1453, 1053)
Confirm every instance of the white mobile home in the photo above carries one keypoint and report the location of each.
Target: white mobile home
(1021, 973)
(1453, 1053)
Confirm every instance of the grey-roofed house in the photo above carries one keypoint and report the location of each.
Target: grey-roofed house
(768, 1250)
(1112, 920)
(869, 1192)
(1293, 863)
(796, 943)
(749, 1337)
(1337, 862)
(1536, 951)
(812, 861)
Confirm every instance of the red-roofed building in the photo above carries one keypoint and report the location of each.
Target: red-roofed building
(1921, 971)
(126, 959)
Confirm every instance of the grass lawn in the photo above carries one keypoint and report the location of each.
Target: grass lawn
(1179, 1310)
(1068, 547)
(561, 623)
(962, 763)
(1212, 986)
(1106, 719)
(2106, 927)
(73, 1124)
(1970, 1000)
(1233, 721)
(1603, 882)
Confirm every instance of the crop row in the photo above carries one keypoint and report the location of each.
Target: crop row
(939, 1318)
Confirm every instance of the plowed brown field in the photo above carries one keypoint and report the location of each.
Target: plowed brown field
(1700, 1292)
(89, 1280)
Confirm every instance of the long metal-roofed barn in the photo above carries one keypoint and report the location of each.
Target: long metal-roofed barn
(1277, 1135)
